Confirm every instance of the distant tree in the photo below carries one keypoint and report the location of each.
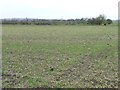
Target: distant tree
(93, 21)
(83, 21)
(109, 21)
(89, 21)
(100, 19)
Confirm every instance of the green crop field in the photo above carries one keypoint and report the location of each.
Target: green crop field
(60, 56)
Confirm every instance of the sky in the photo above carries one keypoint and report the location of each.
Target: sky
(58, 9)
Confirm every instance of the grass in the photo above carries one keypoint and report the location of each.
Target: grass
(60, 56)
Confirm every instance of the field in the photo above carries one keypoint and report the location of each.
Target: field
(60, 56)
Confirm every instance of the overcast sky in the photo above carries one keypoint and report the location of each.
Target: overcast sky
(58, 9)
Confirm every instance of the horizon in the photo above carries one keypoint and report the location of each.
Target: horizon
(64, 9)
(55, 19)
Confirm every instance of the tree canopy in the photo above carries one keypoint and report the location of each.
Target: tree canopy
(100, 20)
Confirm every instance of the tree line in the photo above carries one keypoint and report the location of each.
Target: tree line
(100, 20)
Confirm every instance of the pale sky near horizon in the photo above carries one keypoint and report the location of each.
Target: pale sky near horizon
(58, 9)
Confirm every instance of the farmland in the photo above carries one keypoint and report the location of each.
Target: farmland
(60, 56)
